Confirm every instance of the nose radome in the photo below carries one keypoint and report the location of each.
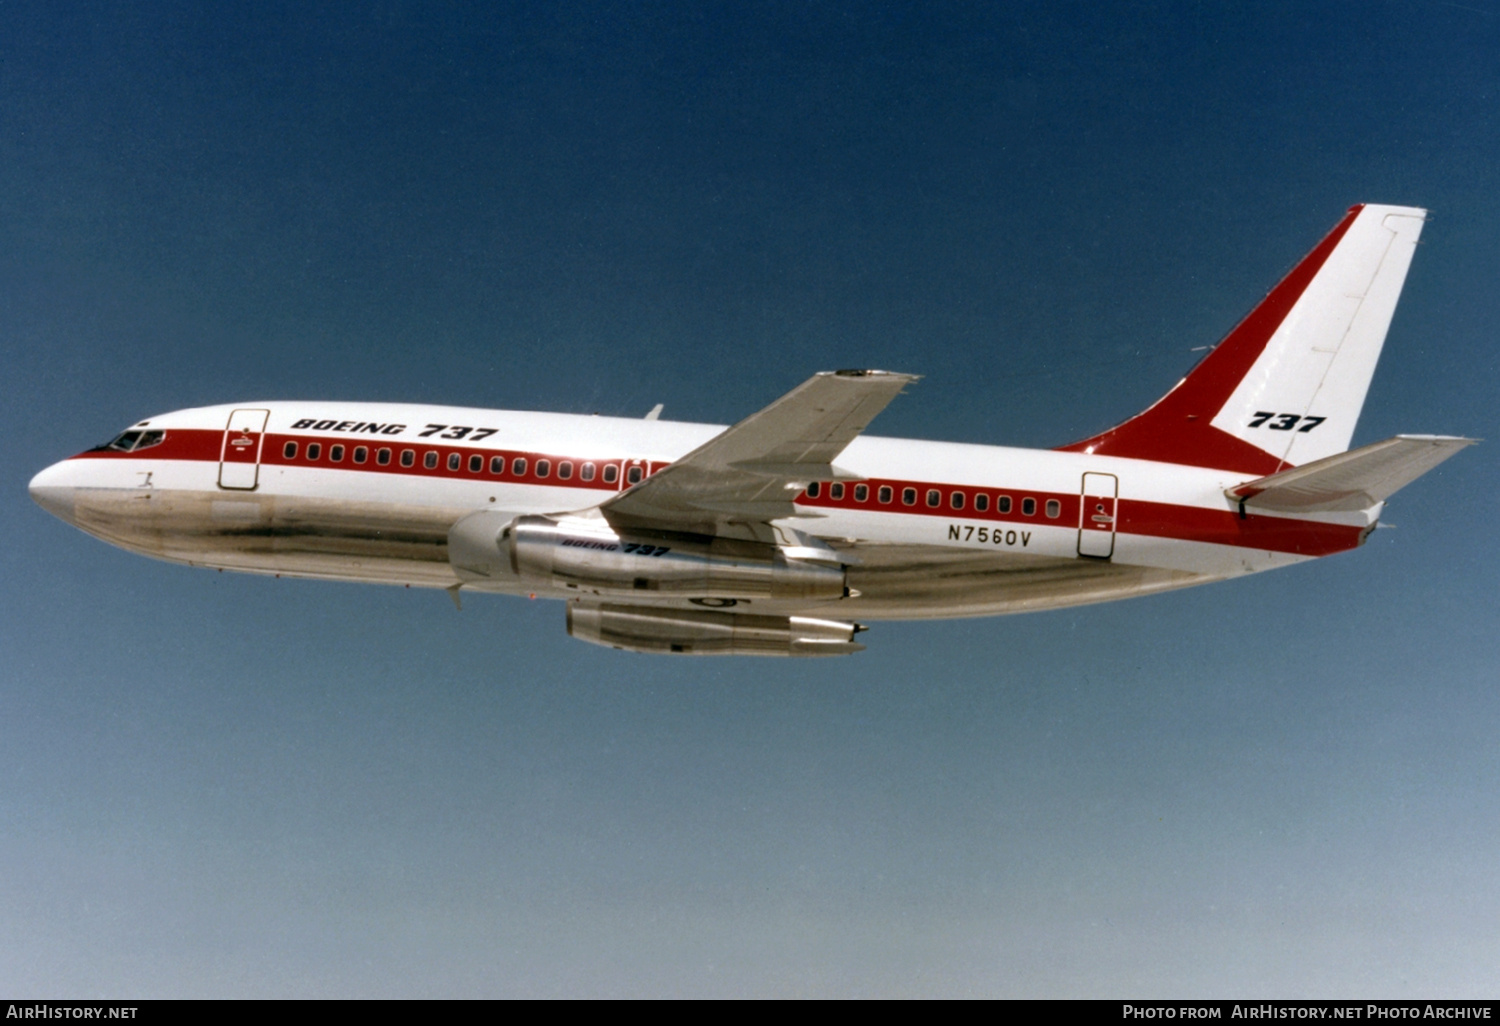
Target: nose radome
(49, 491)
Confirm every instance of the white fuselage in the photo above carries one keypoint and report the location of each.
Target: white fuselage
(934, 529)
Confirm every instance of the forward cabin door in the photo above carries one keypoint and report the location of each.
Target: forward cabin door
(239, 458)
(1096, 522)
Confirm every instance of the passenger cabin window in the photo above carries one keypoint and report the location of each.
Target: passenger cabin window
(885, 494)
(813, 489)
(861, 492)
(518, 467)
(956, 500)
(408, 458)
(633, 475)
(836, 491)
(908, 496)
(289, 451)
(336, 453)
(454, 461)
(934, 497)
(981, 502)
(430, 460)
(586, 472)
(497, 465)
(611, 473)
(361, 454)
(1003, 504)
(565, 470)
(314, 450)
(1028, 507)
(543, 468)
(382, 456)
(1054, 508)
(476, 463)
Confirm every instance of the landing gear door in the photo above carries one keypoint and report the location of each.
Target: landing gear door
(239, 458)
(1096, 522)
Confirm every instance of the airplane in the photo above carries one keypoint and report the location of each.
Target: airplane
(784, 533)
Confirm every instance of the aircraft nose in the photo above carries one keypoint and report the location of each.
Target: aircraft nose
(51, 491)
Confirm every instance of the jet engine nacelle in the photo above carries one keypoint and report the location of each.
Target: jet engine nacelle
(588, 555)
(706, 632)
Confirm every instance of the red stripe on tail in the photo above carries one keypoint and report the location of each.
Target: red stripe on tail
(1176, 428)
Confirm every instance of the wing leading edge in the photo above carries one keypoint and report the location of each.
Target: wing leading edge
(750, 473)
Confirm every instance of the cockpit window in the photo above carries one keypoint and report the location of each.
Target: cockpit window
(134, 441)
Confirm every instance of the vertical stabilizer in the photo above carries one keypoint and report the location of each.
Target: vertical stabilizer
(1285, 387)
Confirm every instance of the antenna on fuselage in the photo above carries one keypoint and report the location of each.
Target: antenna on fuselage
(655, 411)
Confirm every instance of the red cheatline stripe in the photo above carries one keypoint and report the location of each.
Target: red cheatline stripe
(206, 446)
(1218, 527)
(1176, 428)
(1134, 516)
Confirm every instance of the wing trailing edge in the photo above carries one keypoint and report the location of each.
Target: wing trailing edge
(750, 473)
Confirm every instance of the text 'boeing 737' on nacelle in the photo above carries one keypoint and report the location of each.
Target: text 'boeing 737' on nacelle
(780, 534)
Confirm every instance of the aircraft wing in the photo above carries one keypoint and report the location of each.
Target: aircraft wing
(750, 473)
(1352, 480)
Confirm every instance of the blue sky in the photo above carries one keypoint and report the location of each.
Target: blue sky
(222, 785)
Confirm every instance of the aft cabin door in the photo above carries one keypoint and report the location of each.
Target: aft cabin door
(1096, 524)
(239, 459)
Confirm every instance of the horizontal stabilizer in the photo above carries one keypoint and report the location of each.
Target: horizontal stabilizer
(1352, 480)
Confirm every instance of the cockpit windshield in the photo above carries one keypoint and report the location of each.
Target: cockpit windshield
(133, 441)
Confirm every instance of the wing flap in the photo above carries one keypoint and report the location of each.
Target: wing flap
(1349, 481)
(751, 472)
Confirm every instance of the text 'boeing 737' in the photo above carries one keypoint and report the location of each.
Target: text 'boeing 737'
(778, 535)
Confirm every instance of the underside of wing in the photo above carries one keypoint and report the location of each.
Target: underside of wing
(1349, 481)
(749, 474)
